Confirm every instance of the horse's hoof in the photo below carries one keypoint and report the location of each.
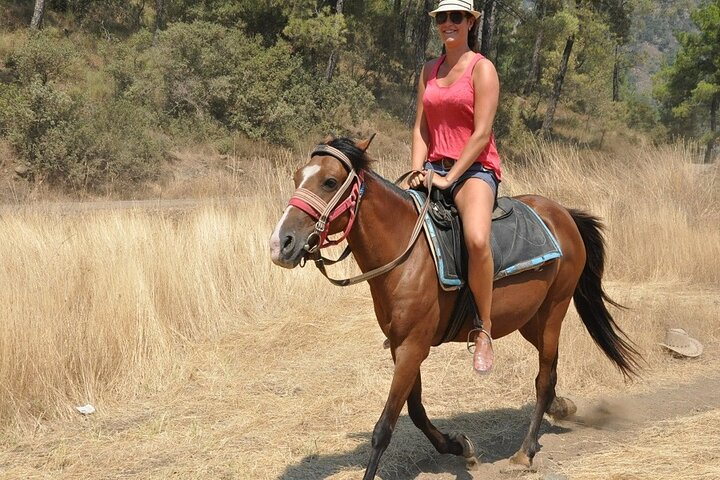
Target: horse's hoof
(561, 408)
(468, 450)
(520, 461)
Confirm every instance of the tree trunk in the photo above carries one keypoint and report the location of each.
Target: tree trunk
(421, 42)
(335, 55)
(550, 114)
(488, 27)
(616, 75)
(497, 35)
(159, 19)
(37, 19)
(402, 18)
(534, 70)
(713, 130)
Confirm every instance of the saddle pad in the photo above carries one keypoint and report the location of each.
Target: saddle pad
(520, 241)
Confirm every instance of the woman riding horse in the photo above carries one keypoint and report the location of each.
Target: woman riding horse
(336, 191)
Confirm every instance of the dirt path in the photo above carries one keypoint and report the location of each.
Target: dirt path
(597, 426)
(65, 208)
(613, 421)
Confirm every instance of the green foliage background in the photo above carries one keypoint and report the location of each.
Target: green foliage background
(106, 86)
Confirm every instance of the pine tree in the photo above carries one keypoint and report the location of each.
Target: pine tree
(689, 91)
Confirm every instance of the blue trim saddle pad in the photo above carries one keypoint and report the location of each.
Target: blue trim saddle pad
(520, 241)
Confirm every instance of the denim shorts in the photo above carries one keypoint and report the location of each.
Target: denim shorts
(476, 170)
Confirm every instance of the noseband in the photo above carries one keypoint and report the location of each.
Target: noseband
(325, 212)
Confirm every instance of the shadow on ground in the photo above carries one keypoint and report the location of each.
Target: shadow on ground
(497, 434)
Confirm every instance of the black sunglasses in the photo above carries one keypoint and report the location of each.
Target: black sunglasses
(455, 17)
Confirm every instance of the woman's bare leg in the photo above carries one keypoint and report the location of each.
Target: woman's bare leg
(475, 200)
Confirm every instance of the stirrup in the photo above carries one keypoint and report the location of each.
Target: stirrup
(471, 345)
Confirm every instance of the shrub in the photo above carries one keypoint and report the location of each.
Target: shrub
(206, 71)
(78, 145)
(34, 118)
(41, 56)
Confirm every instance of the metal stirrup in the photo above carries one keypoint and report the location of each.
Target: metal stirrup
(471, 346)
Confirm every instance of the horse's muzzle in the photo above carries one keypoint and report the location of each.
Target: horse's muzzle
(285, 250)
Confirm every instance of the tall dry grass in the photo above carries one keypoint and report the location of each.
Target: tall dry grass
(661, 208)
(99, 307)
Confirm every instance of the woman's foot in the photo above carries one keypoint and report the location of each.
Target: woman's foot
(483, 356)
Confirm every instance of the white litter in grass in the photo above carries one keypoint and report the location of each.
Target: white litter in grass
(86, 409)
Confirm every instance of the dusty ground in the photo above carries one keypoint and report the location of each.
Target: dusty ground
(612, 421)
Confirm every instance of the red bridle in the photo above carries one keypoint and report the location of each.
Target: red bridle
(325, 212)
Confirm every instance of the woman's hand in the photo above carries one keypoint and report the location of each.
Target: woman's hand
(416, 178)
(440, 182)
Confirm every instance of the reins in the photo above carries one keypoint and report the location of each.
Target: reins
(311, 204)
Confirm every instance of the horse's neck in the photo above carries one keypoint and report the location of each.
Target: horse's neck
(383, 226)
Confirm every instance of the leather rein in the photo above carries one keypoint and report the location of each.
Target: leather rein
(324, 213)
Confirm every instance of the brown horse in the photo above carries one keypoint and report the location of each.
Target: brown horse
(413, 310)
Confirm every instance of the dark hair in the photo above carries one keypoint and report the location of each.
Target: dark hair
(473, 35)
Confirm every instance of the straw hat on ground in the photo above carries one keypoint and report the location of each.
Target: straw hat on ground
(456, 6)
(678, 340)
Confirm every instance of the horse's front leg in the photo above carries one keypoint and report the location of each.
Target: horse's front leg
(408, 358)
(456, 444)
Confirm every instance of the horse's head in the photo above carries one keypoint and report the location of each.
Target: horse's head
(327, 192)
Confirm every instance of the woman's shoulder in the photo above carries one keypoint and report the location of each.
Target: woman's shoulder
(483, 68)
(481, 59)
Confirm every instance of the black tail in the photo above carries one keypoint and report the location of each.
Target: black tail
(590, 299)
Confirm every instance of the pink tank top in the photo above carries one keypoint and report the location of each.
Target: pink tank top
(449, 115)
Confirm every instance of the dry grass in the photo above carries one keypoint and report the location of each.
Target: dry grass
(661, 209)
(208, 362)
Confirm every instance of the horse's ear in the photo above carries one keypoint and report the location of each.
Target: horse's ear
(328, 138)
(364, 144)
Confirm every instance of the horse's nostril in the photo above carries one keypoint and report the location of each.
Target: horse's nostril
(288, 243)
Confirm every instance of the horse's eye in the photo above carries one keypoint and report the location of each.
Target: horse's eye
(330, 184)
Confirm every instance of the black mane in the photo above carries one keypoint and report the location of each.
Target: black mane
(360, 161)
(358, 158)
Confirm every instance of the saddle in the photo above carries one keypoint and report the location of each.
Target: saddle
(519, 240)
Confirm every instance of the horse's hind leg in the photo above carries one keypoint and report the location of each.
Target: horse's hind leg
(560, 407)
(456, 444)
(543, 332)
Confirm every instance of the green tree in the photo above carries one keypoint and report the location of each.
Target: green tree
(315, 32)
(689, 89)
(619, 19)
(571, 25)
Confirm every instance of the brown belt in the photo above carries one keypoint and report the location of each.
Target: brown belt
(446, 162)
